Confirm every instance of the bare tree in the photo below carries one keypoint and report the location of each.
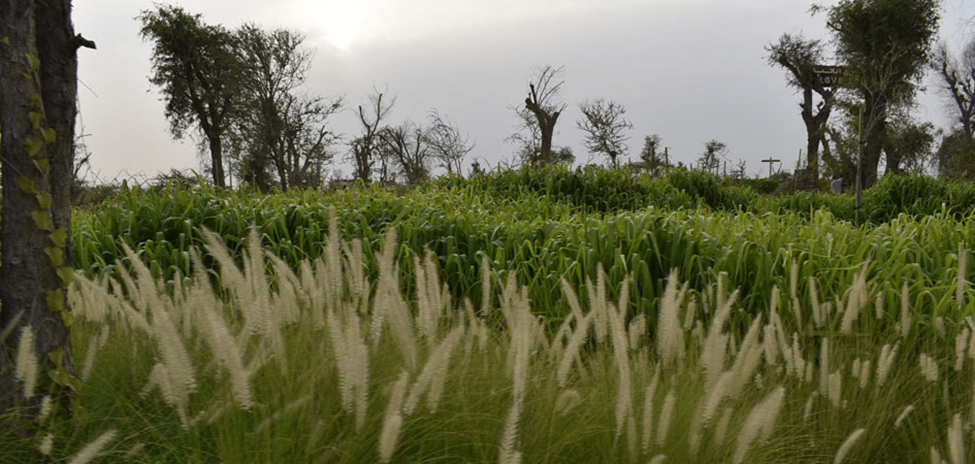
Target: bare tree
(800, 57)
(406, 146)
(364, 150)
(710, 160)
(276, 126)
(445, 143)
(605, 125)
(958, 77)
(541, 112)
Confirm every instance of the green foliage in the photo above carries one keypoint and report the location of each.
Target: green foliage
(542, 226)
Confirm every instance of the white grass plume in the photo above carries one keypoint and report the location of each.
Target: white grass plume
(759, 423)
(91, 450)
(847, 445)
(433, 376)
(393, 421)
(27, 367)
(670, 336)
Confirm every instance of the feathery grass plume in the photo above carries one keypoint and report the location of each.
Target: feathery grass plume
(856, 300)
(428, 310)
(597, 303)
(797, 358)
(824, 366)
(885, 361)
(93, 345)
(956, 442)
(434, 374)
(769, 345)
(315, 292)
(935, 456)
(27, 361)
(47, 405)
(658, 459)
(670, 336)
(748, 358)
(690, 314)
(905, 322)
(567, 401)
(648, 397)
(717, 393)
(390, 306)
(759, 423)
(817, 310)
(961, 347)
(879, 306)
(715, 347)
(507, 450)
(929, 368)
(637, 330)
(721, 429)
(352, 359)
(807, 409)
(47, 443)
(939, 326)
(565, 330)
(393, 420)
(134, 450)
(91, 450)
(276, 416)
(865, 370)
(173, 392)
(224, 347)
(903, 415)
(845, 447)
(624, 399)
(834, 388)
(666, 413)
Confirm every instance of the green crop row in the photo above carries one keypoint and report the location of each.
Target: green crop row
(540, 238)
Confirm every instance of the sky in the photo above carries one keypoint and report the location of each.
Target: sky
(687, 70)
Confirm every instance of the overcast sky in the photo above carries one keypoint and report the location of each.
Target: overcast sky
(688, 70)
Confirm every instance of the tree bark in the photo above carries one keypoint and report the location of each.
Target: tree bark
(38, 75)
(875, 110)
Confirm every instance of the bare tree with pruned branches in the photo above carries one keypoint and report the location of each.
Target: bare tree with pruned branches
(364, 150)
(541, 111)
(605, 128)
(445, 143)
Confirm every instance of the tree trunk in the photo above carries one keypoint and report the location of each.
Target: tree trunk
(38, 75)
(875, 111)
(216, 158)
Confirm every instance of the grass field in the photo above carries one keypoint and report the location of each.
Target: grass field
(522, 317)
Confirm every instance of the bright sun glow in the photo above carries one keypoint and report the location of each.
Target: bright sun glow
(341, 20)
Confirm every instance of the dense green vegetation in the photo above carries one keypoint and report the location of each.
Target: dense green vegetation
(547, 323)
(558, 223)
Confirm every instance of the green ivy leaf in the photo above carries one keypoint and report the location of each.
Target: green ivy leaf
(27, 185)
(66, 273)
(45, 200)
(35, 62)
(35, 119)
(42, 220)
(41, 164)
(33, 147)
(60, 237)
(55, 300)
(56, 255)
(49, 135)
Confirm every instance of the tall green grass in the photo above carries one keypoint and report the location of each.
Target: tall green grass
(320, 362)
(537, 239)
